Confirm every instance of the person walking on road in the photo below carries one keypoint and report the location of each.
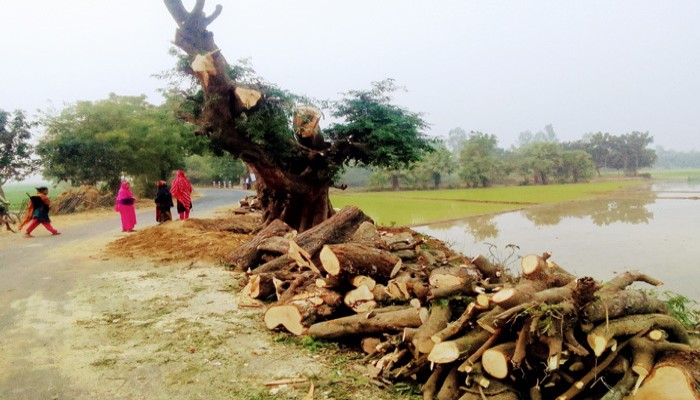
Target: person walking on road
(164, 202)
(181, 189)
(125, 207)
(38, 212)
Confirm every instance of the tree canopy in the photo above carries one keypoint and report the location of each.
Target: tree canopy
(16, 160)
(101, 141)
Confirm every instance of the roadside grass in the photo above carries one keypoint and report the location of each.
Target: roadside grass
(411, 208)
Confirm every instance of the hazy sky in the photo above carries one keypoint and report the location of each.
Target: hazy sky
(500, 67)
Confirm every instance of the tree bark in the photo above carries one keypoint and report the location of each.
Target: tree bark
(378, 323)
(358, 259)
(245, 256)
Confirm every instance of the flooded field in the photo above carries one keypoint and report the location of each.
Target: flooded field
(654, 229)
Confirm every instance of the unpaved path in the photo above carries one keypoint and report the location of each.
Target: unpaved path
(77, 323)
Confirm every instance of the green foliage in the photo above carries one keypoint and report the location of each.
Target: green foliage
(478, 160)
(683, 309)
(92, 142)
(407, 388)
(377, 132)
(627, 152)
(435, 164)
(15, 151)
(312, 344)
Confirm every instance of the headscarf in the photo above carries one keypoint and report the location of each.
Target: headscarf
(30, 207)
(163, 195)
(181, 189)
(124, 192)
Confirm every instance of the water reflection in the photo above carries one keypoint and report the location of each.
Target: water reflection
(630, 207)
(652, 230)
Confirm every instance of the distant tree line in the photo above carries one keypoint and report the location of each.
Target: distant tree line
(475, 159)
(673, 159)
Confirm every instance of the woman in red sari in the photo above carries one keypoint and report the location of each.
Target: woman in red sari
(125, 207)
(181, 189)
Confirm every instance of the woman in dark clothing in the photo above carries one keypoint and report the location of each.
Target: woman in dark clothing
(38, 212)
(164, 201)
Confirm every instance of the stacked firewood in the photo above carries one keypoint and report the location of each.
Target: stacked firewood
(460, 326)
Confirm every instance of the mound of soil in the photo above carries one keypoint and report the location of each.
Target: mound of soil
(191, 240)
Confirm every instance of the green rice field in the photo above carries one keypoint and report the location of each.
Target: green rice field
(676, 174)
(412, 208)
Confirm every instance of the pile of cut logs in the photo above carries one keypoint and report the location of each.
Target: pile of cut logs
(460, 326)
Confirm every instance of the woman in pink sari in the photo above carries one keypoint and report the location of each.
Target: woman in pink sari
(125, 207)
(181, 189)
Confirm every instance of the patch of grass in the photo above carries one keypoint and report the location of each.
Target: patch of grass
(104, 362)
(683, 309)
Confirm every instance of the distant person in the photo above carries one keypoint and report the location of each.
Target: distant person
(181, 189)
(38, 212)
(164, 202)
(125, 207)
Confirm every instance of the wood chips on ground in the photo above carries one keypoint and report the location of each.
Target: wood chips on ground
(188, 241)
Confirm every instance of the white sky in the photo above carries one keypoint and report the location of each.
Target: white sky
(500, 67)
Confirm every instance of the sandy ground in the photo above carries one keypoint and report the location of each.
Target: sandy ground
(106, 319)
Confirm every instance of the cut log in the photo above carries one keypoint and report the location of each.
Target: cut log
(360, 300)
(366, 233)
(275, 244)
(259, 287)
(293, 317)
(361, 280)
(247, 98)
(645, 350)
(614, 301)
(450, 386)
(488, 269)
(438, 319)
(379, 322)
(454, 276)
(247, 255)
(451, 350)
(599, 337)
(358, 259)
(538, 268)
(301, 257)
(675, 376)
(457, 325)
(430, 387)
(496, 360)
(401, 237)
(336, 229)
(369, 344)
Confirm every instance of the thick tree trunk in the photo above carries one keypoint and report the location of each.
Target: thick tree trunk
(301, 209)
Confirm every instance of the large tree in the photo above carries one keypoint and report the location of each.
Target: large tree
(15, 150)
(294, 164)
(98, 142)
(479, 161)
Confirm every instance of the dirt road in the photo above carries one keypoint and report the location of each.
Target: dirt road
(76, 323)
